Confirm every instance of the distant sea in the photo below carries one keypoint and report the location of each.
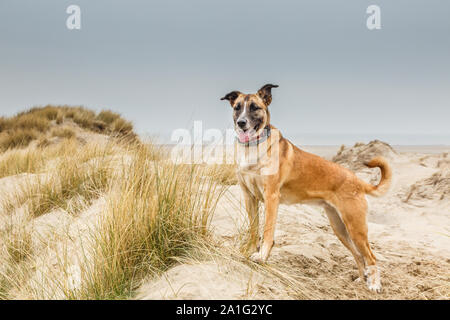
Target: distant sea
(350, 139)
(328, 145)
(330, 139)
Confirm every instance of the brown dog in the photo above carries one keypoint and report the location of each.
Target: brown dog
(272, 170)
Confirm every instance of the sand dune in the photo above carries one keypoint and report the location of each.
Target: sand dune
(409, 230)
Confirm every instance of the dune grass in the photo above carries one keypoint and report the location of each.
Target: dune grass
(223, 173)
(155, 212)
(73, 180)
(107, 116)
(18, 244)
(16, 161)
(16, 249)
(67, 176)
(62, 132)
(20, 130)
(35, 160)
(18, 138)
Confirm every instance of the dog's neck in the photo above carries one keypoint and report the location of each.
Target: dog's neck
(259, 158)
(265, 134)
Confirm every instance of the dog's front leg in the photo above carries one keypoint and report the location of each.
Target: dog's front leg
(271, 201)
(251, 206)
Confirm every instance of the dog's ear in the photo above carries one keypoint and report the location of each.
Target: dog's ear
(265, 93)
(232, 96)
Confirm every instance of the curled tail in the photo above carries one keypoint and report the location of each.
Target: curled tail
(386, 177)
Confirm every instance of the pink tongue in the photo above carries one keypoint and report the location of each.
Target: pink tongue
(244, 137)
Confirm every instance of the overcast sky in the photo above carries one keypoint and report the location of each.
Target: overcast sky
(165, 63)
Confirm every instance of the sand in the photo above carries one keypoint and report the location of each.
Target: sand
(409, 231)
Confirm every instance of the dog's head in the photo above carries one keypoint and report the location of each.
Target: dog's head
(250, 112)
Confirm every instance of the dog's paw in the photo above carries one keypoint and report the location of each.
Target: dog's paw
(373, 279)
(256, 257)
(374, 287)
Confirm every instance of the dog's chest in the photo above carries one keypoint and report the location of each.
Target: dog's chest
(252, 163)
(253, 182)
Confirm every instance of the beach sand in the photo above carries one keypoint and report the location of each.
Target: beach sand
(409, 231)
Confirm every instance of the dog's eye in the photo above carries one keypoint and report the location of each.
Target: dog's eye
(254, 107)
(237, 107)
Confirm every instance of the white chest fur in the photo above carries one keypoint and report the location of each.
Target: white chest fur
(253, 183)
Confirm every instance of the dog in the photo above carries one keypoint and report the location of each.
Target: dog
(281, 173)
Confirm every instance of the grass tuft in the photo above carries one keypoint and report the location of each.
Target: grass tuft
(65, 133)
(108, 117)
(17, 139)
(39, 122)
(157, 213)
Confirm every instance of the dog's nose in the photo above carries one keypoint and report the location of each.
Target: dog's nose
(242, 123)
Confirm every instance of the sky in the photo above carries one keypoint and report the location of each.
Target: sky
(164, 64)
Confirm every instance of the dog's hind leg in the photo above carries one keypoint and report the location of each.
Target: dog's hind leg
(354, 216)
(341, 232)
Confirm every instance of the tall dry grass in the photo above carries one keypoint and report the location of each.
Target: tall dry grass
(17, 138)
(20, 130)
(77, 176)
(223, 173)
(63, 132)
(16, 250)
(15, 161)
(155, 213)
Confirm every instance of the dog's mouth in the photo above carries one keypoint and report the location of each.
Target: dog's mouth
(246, 135)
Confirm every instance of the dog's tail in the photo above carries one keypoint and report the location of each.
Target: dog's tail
(386, 177)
